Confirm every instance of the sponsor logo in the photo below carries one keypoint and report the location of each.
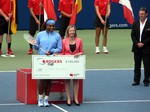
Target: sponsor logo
(75, 75)
(42, 61)
(118, 26)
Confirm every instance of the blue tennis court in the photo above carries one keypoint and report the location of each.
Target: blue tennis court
(104, 91)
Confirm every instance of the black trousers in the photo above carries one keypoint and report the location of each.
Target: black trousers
(64, 23)
(138, 58)
(4, 26)
(34, 26)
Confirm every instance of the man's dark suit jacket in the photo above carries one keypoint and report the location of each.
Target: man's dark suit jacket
(145, 38)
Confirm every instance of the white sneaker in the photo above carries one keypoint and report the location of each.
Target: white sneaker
(97, 51)
(40, 103)
(105, 50)
(46, 104)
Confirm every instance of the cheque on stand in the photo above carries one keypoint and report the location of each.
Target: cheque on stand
(58, 67)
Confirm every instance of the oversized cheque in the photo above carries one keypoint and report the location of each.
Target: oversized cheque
(58, 67)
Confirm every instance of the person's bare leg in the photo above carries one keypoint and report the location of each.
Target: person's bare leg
(1, 41)
(67, 89)
(105, 38)
(105, 50)
(9, 41)
(76, 90)
(97, 39)
(8, 38)
(41, 86)
(47, 87)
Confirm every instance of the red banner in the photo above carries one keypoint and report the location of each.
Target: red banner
(49, 11)
(128, 12)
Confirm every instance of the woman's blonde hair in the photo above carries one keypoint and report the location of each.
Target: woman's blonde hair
(67, 31)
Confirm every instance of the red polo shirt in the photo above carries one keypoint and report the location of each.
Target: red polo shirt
(65, 6)
(5, 6)
(35, 5)
(102, 5)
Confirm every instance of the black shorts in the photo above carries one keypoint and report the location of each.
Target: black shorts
(4, 26)
(98, 23)
(34, 26)
(64, 22)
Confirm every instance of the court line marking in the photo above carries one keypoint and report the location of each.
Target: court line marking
(110, 69)
(8, 71)
(11, 104)
(58, 107)
(91, 69)
(119, 101)
(86, 102)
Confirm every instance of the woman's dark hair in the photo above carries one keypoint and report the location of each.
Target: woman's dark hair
(43, 27)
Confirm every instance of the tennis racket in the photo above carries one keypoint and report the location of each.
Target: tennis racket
(32, 41)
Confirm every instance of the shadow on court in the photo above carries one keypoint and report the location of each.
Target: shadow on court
(104, 91)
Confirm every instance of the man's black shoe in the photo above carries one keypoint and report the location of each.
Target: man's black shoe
(135, 83)
(146, 84)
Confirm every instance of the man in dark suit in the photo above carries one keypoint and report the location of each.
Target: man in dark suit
(140, 35)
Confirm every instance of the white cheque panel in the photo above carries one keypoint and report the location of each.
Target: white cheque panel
(58, 67)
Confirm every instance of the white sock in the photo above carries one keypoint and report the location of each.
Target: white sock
(104, 47)
(46, 97)
(40, 96)
(97, 48)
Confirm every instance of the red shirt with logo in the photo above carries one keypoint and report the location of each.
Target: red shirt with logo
(35, 5)
(5, 6)
(66, 6)
(102, 5)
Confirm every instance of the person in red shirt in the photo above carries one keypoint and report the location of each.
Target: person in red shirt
(36, 18)
(66, 10)
(72, 45)
(6, 9)
(102, 8)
